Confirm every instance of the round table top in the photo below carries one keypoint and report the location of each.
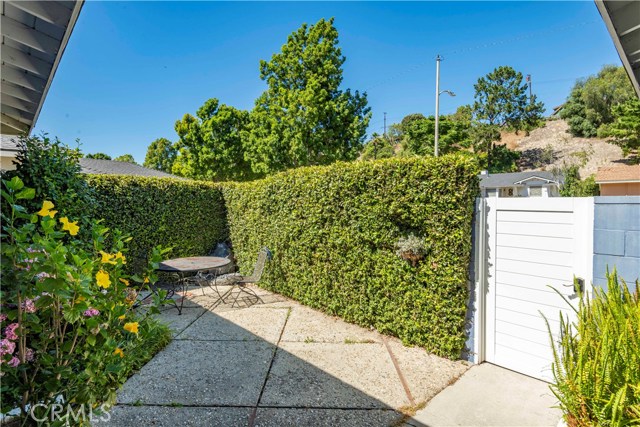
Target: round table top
(194, 263)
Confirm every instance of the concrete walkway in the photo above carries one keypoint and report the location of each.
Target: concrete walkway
(278, 363)
(487, 395)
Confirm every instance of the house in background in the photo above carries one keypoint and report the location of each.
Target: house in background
(112, 167)
(8, 151)
(520, 184)
(34, 37)
(623, 180)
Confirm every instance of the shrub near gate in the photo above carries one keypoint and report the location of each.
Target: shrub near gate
(334, 234)
(187, 216)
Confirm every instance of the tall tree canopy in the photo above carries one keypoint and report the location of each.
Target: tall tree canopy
(210, 145)
(625, 128)
(378, 147)
(125, 158)
(591, 102)
(304, 118)
(502, 99)
(161, 154)
(99, 156)
(418, 135)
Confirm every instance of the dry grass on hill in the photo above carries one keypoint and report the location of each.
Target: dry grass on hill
(552, 146)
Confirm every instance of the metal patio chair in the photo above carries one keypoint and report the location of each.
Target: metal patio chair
(240, 282)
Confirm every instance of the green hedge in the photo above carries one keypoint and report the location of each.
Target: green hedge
(188, 216)
(333, 233)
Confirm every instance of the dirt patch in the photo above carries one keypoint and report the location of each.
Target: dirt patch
(552, 146)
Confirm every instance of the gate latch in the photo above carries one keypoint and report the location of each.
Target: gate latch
(578, 285)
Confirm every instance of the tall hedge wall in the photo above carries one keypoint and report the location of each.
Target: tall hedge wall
(333, 233)
(188, 216)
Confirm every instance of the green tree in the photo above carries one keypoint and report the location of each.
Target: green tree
(591, 102)
(210, 145)
(463, 115)
(126, 158)
(418, 135)
(502, 99)
(99, 156)
(378, 147)
(502, 160)
(304, 118)
(625, 128)
(161, 154)
(574, 186)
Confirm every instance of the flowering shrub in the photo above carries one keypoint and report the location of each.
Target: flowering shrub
(66, 320)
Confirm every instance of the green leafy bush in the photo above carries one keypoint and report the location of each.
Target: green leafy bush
(68, 329)
(187, 216)
(597, 359)
(573, 186)
(52, 170)
(592, 101)
(625, 129)
(333, 233)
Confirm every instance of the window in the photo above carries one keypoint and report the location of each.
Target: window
(535, 191)
(507, 192)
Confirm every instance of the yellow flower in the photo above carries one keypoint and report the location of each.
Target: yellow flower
(121, 257)
(46, 209)
(121, 317)
(125, 281)
(131, 327)
(71, 227)
(107, 258)
(102, 277)
(146, 280)
(119, 352)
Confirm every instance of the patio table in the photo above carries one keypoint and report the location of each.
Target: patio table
(184, 266)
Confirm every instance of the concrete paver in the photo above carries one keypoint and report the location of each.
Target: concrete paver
(333, 375)
(178, 323)
(307, 324)
(288, 417)
(206, 373)
(425, 374)
(238, 325)
(173, 416)
(278, 363)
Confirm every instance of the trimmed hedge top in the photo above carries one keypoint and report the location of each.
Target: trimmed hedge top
(334, 232)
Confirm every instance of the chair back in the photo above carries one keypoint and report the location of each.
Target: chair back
(263, 256)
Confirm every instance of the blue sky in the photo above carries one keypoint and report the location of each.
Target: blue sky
(131, 69)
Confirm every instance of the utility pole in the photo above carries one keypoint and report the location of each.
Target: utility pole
(385, 124)
(438, 93)
(529, 82)
(438, 59)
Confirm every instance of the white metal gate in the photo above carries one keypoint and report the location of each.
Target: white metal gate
(530, 244)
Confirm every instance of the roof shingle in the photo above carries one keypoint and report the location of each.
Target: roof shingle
(111, 167)
(624, 173)
(498, 180)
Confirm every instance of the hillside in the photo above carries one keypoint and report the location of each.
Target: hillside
(553, 146)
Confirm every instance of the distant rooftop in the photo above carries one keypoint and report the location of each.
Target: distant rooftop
(497, 180)
(111, 167)
(9, 143)
(622, 173)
